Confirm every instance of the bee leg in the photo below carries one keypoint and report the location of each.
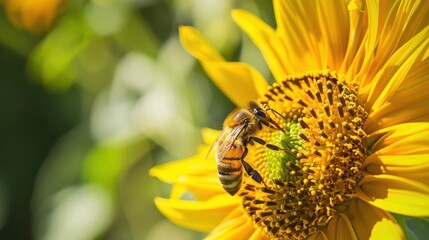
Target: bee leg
(249, 169)
(244, 153)
(262, 142)
(252, 172)
(260, 125)
(264, 123)
(256, 139)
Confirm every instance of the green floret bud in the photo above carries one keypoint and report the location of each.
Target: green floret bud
(277, 159)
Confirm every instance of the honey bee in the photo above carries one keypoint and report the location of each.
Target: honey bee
(231, 144)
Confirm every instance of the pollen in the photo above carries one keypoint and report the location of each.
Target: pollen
(314, 169)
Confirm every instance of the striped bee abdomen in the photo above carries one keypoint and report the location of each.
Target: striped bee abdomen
(230, 169)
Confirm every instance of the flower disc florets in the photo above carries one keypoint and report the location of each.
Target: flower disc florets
(316, 170)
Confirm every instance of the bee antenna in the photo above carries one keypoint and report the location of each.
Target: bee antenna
(277, 113)
(267, 108)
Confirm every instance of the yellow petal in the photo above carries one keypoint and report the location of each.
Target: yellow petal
(202, 187)
(340, 228)
(393, 73)
(197, 215)
(407, 104)
(395, 194)
(402, 139)
(197, 46)
(196, 175)
(356, 40)
(359, 38)
(238, 81)
(414, 167)
(371, 222)
(294, 31)
(373, 26)
(321, 35)
(209, 135)
(235, 227)
(265, 39)
(390, 25)
(177, 191)
(258, 235)
(362, 65)
(193, 166)
(333, 22)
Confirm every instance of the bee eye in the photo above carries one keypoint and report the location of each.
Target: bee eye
(259, 113)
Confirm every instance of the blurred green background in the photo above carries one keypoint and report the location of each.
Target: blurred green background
(92, 95)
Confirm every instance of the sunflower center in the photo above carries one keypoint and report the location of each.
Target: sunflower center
(313, 172)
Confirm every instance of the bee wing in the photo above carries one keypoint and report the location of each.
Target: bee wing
(229, 140)
(217, 142)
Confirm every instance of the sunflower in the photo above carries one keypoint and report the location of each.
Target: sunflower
(350, 96)
(34, 16)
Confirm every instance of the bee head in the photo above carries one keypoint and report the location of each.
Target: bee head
(257, 110)
(241, 116)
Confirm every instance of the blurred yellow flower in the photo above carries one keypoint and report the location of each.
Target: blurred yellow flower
(34, 16)
(351, 82)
